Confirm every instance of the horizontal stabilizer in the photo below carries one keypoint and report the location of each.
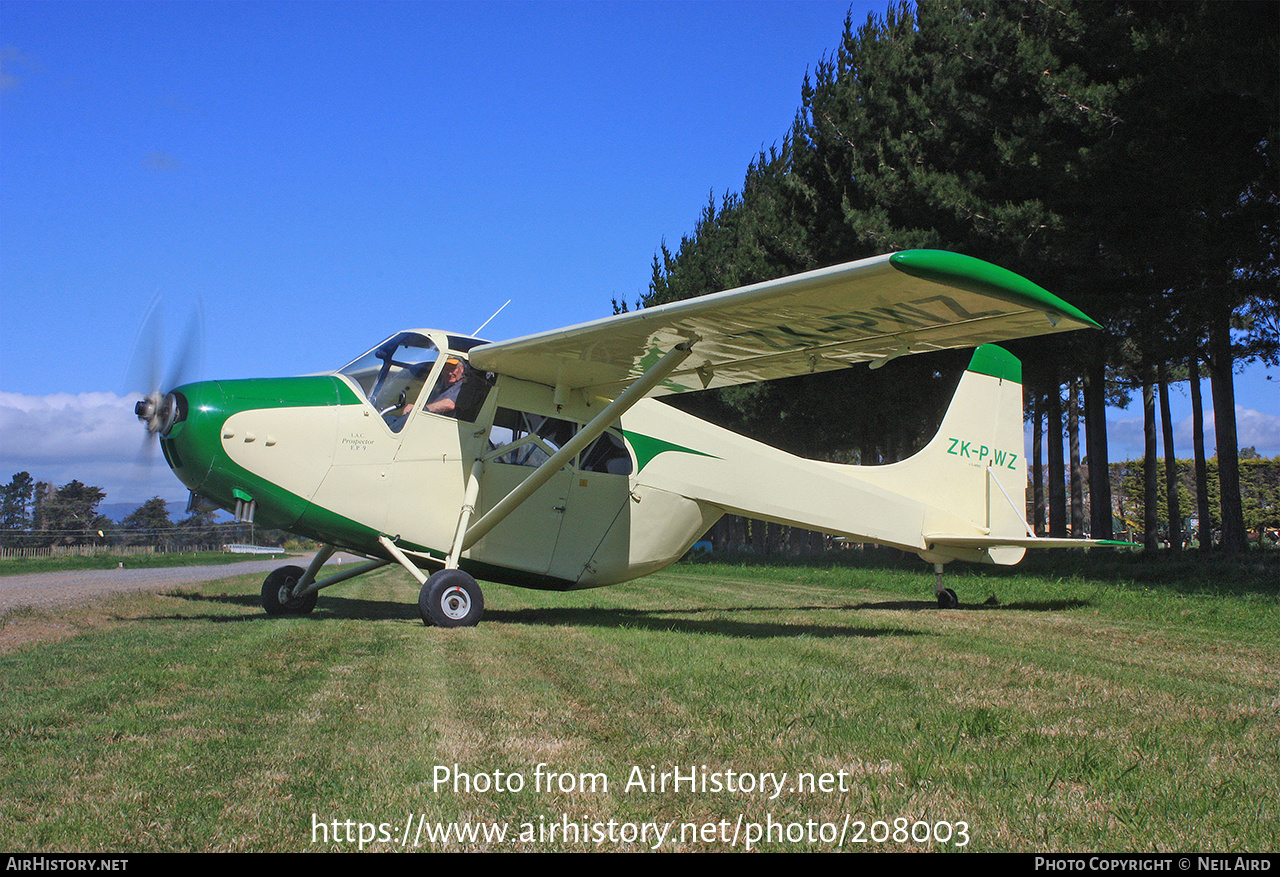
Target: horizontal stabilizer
(939, 540)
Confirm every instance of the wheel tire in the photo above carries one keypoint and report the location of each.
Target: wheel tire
(947, 599)
(277, 593)
(451, 598)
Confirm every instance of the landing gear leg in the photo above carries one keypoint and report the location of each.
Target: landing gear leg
(449, 597)
(946, 597)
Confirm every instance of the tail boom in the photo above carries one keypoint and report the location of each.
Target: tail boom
(961, 497)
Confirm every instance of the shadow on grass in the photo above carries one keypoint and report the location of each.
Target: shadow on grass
(1253, 572)
(686, 621)
(673, 620)
(988, 606)
(327, 607)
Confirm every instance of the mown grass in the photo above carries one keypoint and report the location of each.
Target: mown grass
(1071, 712)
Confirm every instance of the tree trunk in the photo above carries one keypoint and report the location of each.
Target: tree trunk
(1170, 463)
(867, 451)
(1222, 383)
(1205, 534)
(1057, 467)
(1037, 464)
(1150, 498)
(1073, 443)
(1095, 434)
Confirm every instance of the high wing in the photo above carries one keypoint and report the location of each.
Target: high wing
(871, 310)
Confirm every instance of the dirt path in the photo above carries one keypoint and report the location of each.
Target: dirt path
(54, 588)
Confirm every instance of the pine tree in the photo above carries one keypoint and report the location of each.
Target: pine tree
(70, 515)
(149, 524)
(15, 503)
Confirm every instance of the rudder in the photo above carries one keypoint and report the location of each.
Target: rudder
(974, 469)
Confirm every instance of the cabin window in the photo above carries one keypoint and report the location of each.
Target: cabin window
(607, 454)
(475, 387)
(529, 439)
(526, 439)
(443, 398)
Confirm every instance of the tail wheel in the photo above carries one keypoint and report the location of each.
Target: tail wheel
(451, 598)
(277, 593)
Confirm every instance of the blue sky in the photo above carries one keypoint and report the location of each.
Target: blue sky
(315, 176)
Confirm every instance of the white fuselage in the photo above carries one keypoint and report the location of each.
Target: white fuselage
(593, 524)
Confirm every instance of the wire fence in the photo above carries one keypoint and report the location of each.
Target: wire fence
(75, 551)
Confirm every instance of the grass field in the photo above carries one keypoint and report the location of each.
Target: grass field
(1118, 708)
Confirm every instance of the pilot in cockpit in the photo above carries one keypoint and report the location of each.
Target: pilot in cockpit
(444, 398)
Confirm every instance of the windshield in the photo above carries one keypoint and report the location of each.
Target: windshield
(393, 373)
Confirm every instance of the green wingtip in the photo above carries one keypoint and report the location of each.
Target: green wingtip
(976, 275)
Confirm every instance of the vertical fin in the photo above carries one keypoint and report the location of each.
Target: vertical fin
(973, 468)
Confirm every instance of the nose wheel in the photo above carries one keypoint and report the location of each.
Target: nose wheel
(277, 593)
(450, 598)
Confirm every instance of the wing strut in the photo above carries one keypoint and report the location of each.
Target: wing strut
(589, 433)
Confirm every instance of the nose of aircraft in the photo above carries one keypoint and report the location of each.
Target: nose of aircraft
(190, 428)
(196, 422)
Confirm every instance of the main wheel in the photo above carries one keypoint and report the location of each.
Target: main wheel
(277, 593)
(451, 598)
(947, 599)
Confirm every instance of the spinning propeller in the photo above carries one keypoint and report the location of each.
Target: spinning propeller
(158, 409)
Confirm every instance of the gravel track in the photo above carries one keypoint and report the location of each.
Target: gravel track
(54, 588)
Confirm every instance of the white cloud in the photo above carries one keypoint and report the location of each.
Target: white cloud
(1125, 440)
(89, 437)
(1258, 430)
(1255, 429)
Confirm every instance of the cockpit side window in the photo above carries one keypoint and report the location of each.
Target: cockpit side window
(607, 454)
(393, 374)
(443, 398)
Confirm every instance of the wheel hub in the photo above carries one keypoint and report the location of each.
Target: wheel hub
(455, 603)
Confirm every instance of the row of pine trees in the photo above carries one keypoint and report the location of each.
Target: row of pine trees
(1120, 154)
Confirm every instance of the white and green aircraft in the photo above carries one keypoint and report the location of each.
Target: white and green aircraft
(544, 461)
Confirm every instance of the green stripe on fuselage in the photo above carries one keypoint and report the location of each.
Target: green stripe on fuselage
(647, 447)
(304, 392)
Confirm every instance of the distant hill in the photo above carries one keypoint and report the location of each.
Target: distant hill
(118, 511)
